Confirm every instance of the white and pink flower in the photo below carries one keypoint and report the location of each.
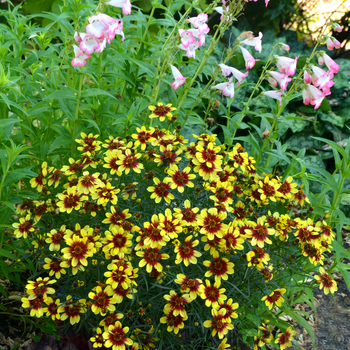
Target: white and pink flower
(227, 70)
(256, 42)
(279, 78)
(89, 43)
(332, 43)
(248, 58)
(331, 64)
(179, 78)
(321, 78)
(313, 96)
(80, 57)
(200, 22)
(227, 88)
(287, 65)
(277, 95)
(191, 49)
(124, 4)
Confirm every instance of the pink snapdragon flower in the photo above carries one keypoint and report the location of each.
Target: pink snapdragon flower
(226, 71)
(191, 49)
(227, 88)
(187, 37)
(179, 78)
(124, 4)
(337, 27)
(285, 47)
(256, 42)
(77, 37)
(321, 78)
(331, 64)
(333, 43)
(248, 58)
(115, 28)
(277, 95)
(279, 78)
(287, 65)
(80, 57)
(199, 22)
(98, 25)
(313, 96)
(89, 43)
(307, 77)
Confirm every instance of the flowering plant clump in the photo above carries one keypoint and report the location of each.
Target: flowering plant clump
(153, 240)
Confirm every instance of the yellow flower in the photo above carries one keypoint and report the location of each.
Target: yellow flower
(160, 111)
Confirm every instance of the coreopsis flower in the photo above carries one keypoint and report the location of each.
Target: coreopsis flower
(189, 285)
(274, 298)
(227, 70)
(54, 266)
(150, 259)
(185, 253)
(266, 272)
(87, 183)
(248, 58)
(37, 306)
(106, 194)
(212, 294)
(288, 188)
(40, 181)
(129, 161)
(188, 215)
(102, 300)
(259, 232)
(211, 223)
(326, 282)
(110, 320)
(175, 323)
(331, 64)
(168, 155)
(223, 345)
(73, 168)
(285, 339)
(179, 78)
(221, 323)
(232, 239)
(160, 191)
(161, 111)
(116, 217)
(277, 95)
(124, 4)
(72, 309)
(169, 225)
(115, 336)
(120, 275)
(176, 303)
(220, 267)
(286, 65)
(180, 179)
(190, 49)
(40, 288)
(143, 136)
(209, 155)
(24, 227)
(70, 200)
(78, 250)
(230, 308)
(280, 78)
(117, 241)
(254, 41)
(269, 189)
(97, 340)
(227, 88)
(300, 197)
(53, 308)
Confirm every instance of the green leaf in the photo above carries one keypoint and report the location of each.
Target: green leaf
(60, 141)
(148, 68)
(61, 94)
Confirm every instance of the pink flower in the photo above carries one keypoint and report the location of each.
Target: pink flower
(77, 37)
(179, 78)
(98, 25)
(287, 65)
(80, 57)
(199, 22)
(187, 37)
(226, 71)
(223, 12)
(115, 28)
(333, 43)
(248, 58)
(337, 27)
(266, 2)
(89, 43)
(282, 79)
(285, 47)
(125, 4)
(313, 95)
(191, 49)
(277, 95)
(256, 42)
(331, 64)
(321, 78)
(228, 88)
(307, 77)
(103, 43)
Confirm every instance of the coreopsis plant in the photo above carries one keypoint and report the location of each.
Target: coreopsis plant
(152, 241)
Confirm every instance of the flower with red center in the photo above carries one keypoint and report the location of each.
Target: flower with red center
(106, 194)
(24, 227)
(211, 224)
(326, 282)
(116, 216)
(98, 340)
(53, 308)
(143, 137)
(87, 183)
(117, 241)
(111, 161)
(40, 180)
(239, 211)
(78, 250)
(101, 300)
(274, 298)
(209, 155)
(160, 191)
(73, 168)
(259, 232)
(300, 198)
(212, 244)
(169, 225)
(186, 254)
(37, 306)
(72, 310)
(129, 161)
(54, 266)
(180, 179)
(175, 323)
(222, 193)
(115, 337)
(150, 259)
(232, 238)
(54, 177)
(189, 285)
(176, 303)
(160, 111)
(221, 323)
(110, 319)
(285, 339)
(70, 200)
(188, 215)
(206, 172)
(24, 207)
(269, 189)
(40, 288)
(220, 267)
(55, 238)
(120, 274)
(288, 188)
(229, 306)
(156, 237)
(168, 156)
(212, 294)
